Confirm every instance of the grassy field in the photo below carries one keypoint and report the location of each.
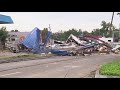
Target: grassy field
(111, 69)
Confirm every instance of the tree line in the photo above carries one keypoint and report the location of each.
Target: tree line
(103, 31)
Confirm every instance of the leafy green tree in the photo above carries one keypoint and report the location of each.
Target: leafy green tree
(104, 30)
(86, 33)
(3, 36)
(16, 30)
(12, 30)
(62, 36)
(96, 32)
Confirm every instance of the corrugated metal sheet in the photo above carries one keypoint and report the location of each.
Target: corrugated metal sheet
(32, 41)
(60, 52)
(5, 19)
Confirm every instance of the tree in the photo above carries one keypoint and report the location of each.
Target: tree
(107, 29)
(16, 30)
(3, 36)
(85, 33)
(104, 30)
(66, 34)
(44, 34)
(12, 30)
(80, 32)
(63, 35)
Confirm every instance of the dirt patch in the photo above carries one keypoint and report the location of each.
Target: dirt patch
(6, 53)
(91, 75)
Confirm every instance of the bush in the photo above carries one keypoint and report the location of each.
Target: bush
(111, 69)
(3, 36)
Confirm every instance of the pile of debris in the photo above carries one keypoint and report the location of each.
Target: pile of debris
(81, 46)
(73, 46)
(31, 43)
(116, 49)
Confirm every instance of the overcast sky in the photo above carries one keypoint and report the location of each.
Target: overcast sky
(26, 21)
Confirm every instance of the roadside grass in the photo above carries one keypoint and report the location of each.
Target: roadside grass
(111, 69)
(17, 57)
(24, 57)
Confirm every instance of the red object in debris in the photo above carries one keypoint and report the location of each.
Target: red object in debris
(93, 36)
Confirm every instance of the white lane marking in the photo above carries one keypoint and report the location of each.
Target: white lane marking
(72, 66)
(10, 74)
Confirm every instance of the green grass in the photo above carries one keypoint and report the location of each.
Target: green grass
(111, 69)
(19, 57)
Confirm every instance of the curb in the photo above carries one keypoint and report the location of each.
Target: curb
(97, 75)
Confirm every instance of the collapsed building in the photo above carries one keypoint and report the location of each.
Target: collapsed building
(31, 42)
(36, 41)
(14, 39)
(86, 44)
(27, 41)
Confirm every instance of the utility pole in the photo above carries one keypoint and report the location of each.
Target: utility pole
(51, 36)
(111, 25)
(119, 25)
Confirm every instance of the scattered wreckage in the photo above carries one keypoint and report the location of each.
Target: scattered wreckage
(86, 44)
(116, 49)
(73, 46)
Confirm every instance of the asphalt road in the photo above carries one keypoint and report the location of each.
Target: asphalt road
(56, 67)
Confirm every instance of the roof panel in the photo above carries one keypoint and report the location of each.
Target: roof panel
(5, 19)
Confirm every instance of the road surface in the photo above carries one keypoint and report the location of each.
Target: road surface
(56, 67)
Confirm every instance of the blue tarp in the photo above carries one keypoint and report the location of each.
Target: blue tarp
(87, 46)
(32, 41)
(60, 52)
(5, 19)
